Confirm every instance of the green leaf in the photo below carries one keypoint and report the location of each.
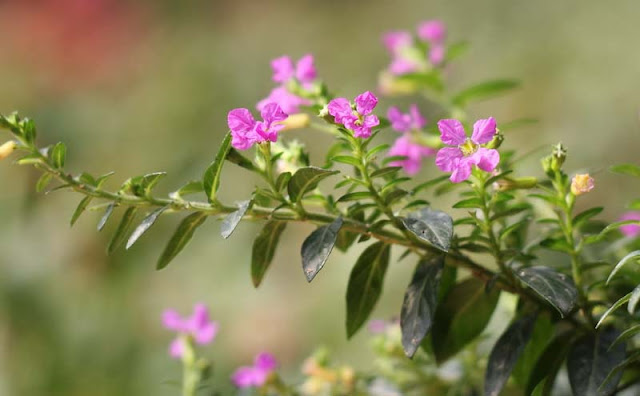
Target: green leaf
(431, 183)
(548, 364)
(583, 217)
(511, 210)
(543, 332)
(433, 226)
(317, 247)
(456, 50)
(283, 180)
(211, 178)
(58, 155)
(626, 335)
(591, 360)
(465, 313)
(419, 304)
(633, 301)
(376, 150)
(43, 182)
(107, 213)
(355, 196)
(469, 203)
(232, 220)
(389, 170)
(365, 285)
(346, 159)
(505, 354)
(102, 179)
(626, 169)
(180, 238)
(306, 179)
(393, 196)
(80, 209)
(558, 289)
(235, 157)
(621, 264)
(120, 234)
(192, 187)
(264, 248)
(483, 91)
(430, 79)
(611, 227)
(614, 307)
(146, 223)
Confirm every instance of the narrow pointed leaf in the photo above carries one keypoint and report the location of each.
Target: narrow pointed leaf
(626, 335)
(365, 285)
(484, 90)
(317, 247)
(591, 360)
(433, 226)
(107, 213)
(419, 304)
(306, 179)
(211, 178)
(558, 289)
(43, 182)
(80, 209)
(264, 248)
(58, 155)
(235, 157)
(614, 308)
(232, 220)
(633, 301)
(193, 187)
(505, 354)
(121, 232)
(180, 238)
(621, 264)
(145, 225)
(626, 169)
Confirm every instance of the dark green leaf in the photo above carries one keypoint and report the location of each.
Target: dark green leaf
(549, 363)
(558, 289)
(232, 220)
(120, 234)
(626, 169)
(633, 300)
(614, 307)
(283, 180)
(43, 182)
(365, 285)
(621, 264)
(586, 215)
(355, 196)
(433, 226)
(559, 245)
(505, 354)
(511, 210)
(306, 179)
(626, 335)
(58, 155)
(180, 238)
(393, 158)
(591, 360)
(419, 304)
(211, 178)
(80, 209)
(317, 247)
(390, 170)
(611, 227)
(394, 195)
(462, 316)
(543, 332)
(469, 203)
(264, 248)
(235, 157)
(146, 223)
(484, 90)
(376, 150)
(107, 213)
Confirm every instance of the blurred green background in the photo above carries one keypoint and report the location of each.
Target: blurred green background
(141, 86)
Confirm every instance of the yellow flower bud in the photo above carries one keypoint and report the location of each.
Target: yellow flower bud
(6, 149)
(296, 121)
(581, 184)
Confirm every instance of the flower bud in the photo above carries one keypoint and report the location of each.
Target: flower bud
(296, 121)
(521, 183)
(581, 184)
(6, 149)
(497, 140)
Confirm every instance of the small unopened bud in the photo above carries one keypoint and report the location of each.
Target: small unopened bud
(497, 140)
(6, 149)
(296, 121)
(553, 163)
(521, 183)
(581, 184)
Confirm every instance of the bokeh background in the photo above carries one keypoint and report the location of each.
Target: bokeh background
(141, 86)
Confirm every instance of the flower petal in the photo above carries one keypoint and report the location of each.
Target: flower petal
(176, 348)
(461, 170)
(486, 159)
(366, 102)
(282, 69)
(272, 112)
(630, 230)
(396, 40)
(436, 54)
(205, 334)
(400, 66)
(447, 157)
(305, 69)
(265, 361)
(340, 108)
(288, 102)
(432, 31)
(451, 132)
(418, 121)
(172, 320)
(484, 130)
(240, 121)
(399, 122)
(244, 377)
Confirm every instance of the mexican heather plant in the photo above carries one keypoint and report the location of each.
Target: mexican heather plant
(496, 239)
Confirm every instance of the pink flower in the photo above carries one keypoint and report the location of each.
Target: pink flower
(360, 120)
(288, 102)
(283, 69)
(406, 122)
(198, 326)
(246, 131)
(413, 152)
(433, 31)
(460, 160)
(397, 40)
(256, 375)
(630, 230)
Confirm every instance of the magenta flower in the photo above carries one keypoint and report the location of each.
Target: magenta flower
(395, 41)
(377, 326)
(406, 122)
(288, 102)
(284, 70)
(413, 152)
(630, 230)
(246, 131)
(198, 326)
(256, 375)
(459, 160)
(434, 31)
(360, 120)
(399, 44)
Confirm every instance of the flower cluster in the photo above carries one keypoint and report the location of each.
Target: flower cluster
(459, 160)
(408, 56)
(303, 74)
(255, 376)
(357, 117)
(198, 327)
(406, 146)
(246, 131)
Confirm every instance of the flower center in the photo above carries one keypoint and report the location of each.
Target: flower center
(360, 119)
(468, 147)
